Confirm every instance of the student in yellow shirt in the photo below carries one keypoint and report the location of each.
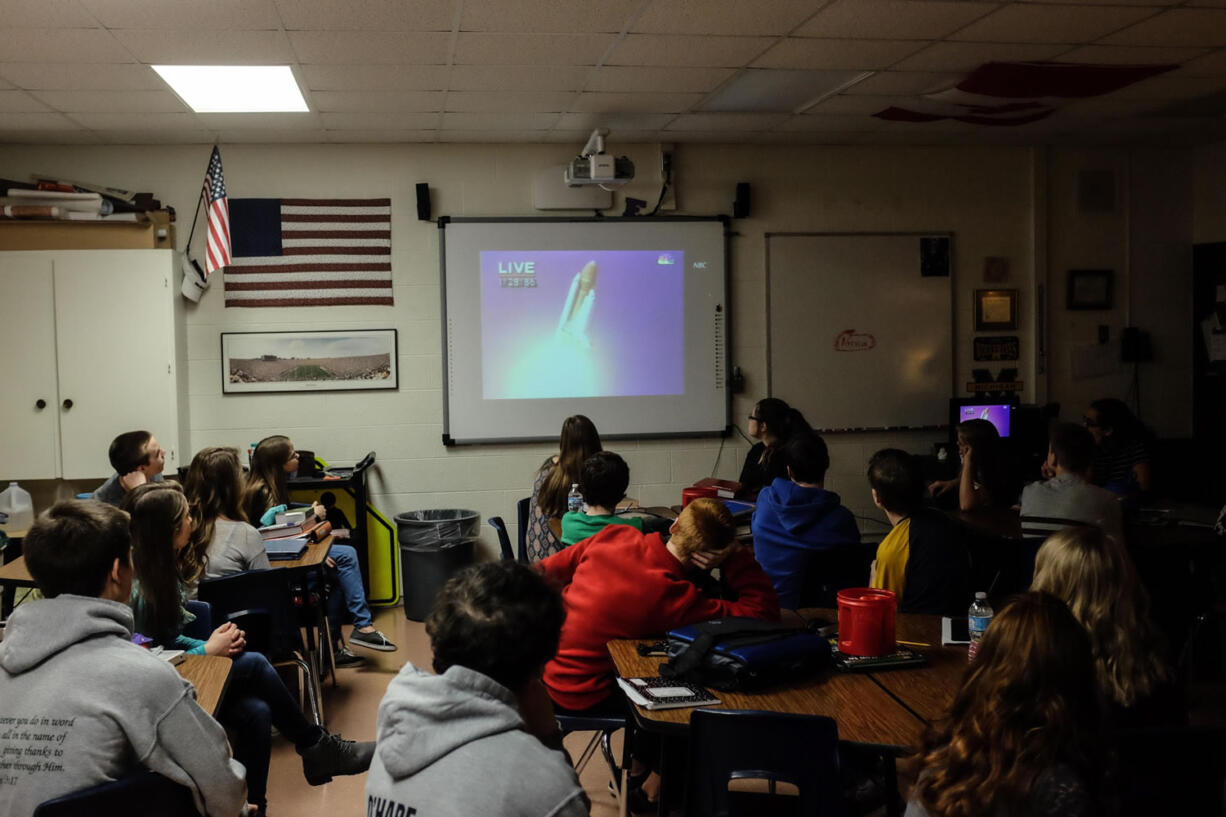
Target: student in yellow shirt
(923, 558)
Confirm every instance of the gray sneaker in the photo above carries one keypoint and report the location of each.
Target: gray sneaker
(332, 755)
(373, 640)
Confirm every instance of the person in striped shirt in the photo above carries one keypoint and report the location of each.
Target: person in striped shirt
(1121, 463)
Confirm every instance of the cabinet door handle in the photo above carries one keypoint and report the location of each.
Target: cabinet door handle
(67, 404)
(40, 404)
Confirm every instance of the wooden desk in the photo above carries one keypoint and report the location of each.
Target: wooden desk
(315, 554)
(15, 574)
(864, 711)
(926, 691)
(1002, 522)
(210, 675)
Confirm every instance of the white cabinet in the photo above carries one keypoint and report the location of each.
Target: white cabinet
(92, 346)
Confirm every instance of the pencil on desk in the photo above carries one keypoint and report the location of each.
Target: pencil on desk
(912, 643)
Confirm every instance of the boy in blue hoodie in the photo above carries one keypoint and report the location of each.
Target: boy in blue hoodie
(797, 523)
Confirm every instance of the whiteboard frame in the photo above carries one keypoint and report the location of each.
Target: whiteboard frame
(953, 314)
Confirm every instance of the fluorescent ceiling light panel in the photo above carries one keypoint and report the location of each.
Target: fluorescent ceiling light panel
(235, 88)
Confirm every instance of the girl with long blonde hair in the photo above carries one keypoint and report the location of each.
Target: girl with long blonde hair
(1094, 575)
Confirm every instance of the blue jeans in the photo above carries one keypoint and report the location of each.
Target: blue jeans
(256, 700)
(348, 575)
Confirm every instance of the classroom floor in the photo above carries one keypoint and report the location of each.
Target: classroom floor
(350, 709)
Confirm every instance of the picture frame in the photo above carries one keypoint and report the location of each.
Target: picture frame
(313, 361)
(995, 310)
(1090, 288)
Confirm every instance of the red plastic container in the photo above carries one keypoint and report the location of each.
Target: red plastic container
(694, 492)
(866, 621)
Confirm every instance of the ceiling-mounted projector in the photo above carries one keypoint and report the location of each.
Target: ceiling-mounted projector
(594, 166)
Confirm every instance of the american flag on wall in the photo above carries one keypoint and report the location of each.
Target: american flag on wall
(217, 248)
(310, 252)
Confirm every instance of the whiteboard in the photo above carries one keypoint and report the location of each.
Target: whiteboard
(860, 330)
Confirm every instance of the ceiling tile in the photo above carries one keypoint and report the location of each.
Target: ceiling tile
(379, 120)
(519, 77)
(724, 16)
(1189, 27)
(141, 136)
(896, 83)
(272, 136)
(855, 105)
(1170, 88)
(615, 122)
(373, 77)
(498, 121)
(48, 137)
(75, 45)
(103, 121)
(782, 137)
(716, 52)
(107, 76)
(548, 16)
(966, 57)
(206, 47)
(1114, 3)
(45, 14)
(629, 79)
(892, 19)
(1212, 64)
(410, 101)
(493, 137)
(5, 83)
(200, 15)
(635, 103)
(117, 101)
(1130, 55)
(531, 49)
(19, 102)
(827, 122)
(1109, 106)
(727, 121)
(510, 101)
(27, 120)
(370, 15)
(715, 137)
(1020, 23)
(367, 47)
(259, 121)
(380, 136)
(797, 52)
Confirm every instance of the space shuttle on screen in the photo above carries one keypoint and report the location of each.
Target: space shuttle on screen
(577, 310)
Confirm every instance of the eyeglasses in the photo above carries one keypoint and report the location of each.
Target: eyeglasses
(1089, 422)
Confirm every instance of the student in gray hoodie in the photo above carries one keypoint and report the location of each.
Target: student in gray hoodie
(472, 740)
(80, 704)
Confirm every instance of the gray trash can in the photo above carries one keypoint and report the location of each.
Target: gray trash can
(434, 545)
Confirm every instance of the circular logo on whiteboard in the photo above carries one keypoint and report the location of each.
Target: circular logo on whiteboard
(853, 341)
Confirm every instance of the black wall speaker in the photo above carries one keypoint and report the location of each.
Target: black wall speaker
(423, 201)
(740, 205)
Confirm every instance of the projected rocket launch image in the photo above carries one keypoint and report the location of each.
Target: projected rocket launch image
(544, 335)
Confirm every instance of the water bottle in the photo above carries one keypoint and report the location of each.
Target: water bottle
(978, 618)
(574, 500)
(16, 502)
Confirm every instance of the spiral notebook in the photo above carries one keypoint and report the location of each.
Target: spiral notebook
(665, 693)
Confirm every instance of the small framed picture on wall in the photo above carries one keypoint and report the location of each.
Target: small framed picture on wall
(995, 310)
(1090, 288)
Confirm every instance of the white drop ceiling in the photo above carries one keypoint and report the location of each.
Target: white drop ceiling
(77, 71)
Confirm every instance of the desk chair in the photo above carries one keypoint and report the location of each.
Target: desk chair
(504, 538)
(145, 793)
(521, 512)
(260, 602)
(729, 744)
(202, 627)
(603, 727)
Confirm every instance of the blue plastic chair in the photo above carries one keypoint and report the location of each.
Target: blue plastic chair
(729, 744)
(504, 538)
(521, 509)
(202, 627)
(145, 793)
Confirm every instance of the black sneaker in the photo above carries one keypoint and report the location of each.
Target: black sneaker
(374, 640)
(333, 755)
(343, 658)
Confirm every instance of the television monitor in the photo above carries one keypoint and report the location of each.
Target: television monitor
(998, 412)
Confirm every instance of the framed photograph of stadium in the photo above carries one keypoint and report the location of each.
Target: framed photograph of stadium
(338, 360)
